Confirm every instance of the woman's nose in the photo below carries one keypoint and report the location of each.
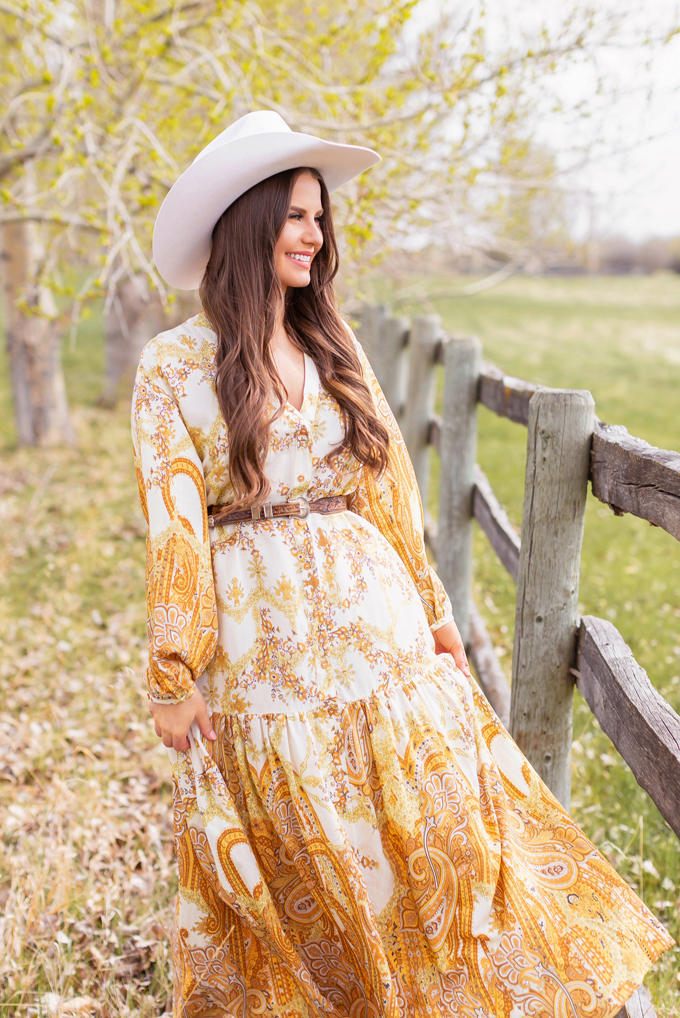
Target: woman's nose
(313, 234)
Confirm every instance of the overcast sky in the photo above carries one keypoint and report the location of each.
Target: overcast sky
(636, 188)
(632, 186)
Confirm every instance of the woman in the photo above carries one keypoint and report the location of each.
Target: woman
(357, 834)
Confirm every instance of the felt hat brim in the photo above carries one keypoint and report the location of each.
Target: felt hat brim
(182, 235)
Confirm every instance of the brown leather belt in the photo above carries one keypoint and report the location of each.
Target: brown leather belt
(299, 508)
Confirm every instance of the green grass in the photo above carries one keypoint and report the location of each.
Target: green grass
(87, 811)
(619, 338)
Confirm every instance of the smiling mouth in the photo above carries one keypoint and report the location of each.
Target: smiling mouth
(300, 259)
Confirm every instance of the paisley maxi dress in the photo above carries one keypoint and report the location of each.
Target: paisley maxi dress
(364, 838)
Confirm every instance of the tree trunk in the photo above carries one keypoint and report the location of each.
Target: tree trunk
(135, 316)
(33, 342)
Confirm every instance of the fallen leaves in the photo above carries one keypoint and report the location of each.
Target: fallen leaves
(87, 871)
(53, 1004)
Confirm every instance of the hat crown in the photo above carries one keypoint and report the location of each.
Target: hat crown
(259, 122)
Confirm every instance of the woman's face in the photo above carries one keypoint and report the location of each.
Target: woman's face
(301, 236)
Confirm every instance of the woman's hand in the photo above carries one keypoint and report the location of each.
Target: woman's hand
(447, 641)
(172, 721)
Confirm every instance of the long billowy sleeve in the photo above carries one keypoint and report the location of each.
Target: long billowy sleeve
(181, 608)
(393, 505)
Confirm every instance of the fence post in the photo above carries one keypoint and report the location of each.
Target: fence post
(560, 433)
(420, 400)
(458, 453)
(395, 332)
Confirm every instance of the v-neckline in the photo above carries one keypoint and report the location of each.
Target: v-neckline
(304, 386)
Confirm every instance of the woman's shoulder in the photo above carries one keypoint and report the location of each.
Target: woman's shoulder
(192, 344)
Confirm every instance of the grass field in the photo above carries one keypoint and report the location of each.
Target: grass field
(86, 873)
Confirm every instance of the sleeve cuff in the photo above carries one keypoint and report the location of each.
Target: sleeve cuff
(441, 622)
(168, 699)
(163, 686)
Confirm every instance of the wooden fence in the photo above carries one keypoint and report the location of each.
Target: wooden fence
(567, 446)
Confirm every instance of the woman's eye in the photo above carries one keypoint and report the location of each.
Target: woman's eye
(298, 215)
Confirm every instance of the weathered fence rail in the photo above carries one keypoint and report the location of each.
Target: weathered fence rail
(643, 727)
(506, 396)
(634, 477)
(494, 521)
(567, 447)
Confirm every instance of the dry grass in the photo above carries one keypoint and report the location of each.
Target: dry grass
(87, 874)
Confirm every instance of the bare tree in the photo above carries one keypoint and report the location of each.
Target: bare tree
(134, 313)
(34, 333)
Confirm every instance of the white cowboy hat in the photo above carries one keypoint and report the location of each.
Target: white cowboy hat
(253, 148)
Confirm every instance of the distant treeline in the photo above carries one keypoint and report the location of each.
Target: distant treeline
(619, 256)
(613, 256)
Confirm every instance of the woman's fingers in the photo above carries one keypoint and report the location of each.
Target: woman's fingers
(157, 728)
(460, 657)
(204, 722)
(174, 740)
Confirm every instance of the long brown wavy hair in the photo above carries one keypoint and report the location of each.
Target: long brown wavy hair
(241, 293)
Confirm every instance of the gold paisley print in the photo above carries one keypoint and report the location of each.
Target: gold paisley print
(364, 839)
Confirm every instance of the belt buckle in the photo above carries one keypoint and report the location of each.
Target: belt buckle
(304, 508)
